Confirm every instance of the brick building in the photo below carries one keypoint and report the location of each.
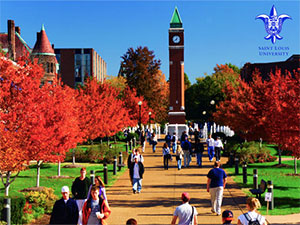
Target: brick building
(291, 64)
(12, 43)
(78, 63)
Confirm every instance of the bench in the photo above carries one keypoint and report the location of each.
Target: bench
(262, 188)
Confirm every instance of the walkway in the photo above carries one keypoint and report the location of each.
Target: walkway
(162, 190)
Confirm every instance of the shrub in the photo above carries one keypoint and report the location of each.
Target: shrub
(250, 152)
(44, 199)
(120, 136)
(17, 205)
(131, 136)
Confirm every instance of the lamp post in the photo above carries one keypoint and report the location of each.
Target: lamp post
(149, 118)
(140, 117)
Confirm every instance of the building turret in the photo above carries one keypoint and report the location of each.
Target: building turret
(44, 52)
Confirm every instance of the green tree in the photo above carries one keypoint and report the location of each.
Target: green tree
(187, 82)
(203, 96)
(142, 72)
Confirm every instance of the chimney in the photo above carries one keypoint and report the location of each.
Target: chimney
(11, 39)
(18, 30)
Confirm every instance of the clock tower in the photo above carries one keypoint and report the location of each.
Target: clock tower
(176, 60)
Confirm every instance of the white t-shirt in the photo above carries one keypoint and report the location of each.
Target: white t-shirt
(184, 213)
(210, 142)
(253, 215)
(218, 143)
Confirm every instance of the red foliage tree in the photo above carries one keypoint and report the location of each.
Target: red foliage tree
(131, 100)
(52, 124)
(101, 112)
(283, 111)
(18, 83)
(267, 109)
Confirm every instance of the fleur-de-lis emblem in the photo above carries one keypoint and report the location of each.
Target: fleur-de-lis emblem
(273, 24)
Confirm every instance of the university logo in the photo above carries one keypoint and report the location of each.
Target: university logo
(273, 24)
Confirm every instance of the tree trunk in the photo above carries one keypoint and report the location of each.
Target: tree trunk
(115, 139)
(7, 184)
(295, 165)
(7, 190)
(279, 156)
(73, 156)
(58, 169)
(38, 173)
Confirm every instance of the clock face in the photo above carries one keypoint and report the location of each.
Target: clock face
(176, 39)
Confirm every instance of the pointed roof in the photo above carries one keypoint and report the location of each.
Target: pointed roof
(42, 45)
(176, 20)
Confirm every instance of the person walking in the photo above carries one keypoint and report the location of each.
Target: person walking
(65, 210)
(153, 142)
(80, 189)
(227, 217)
(179, 154)
(210, 147)
(186, 147)
(218, 147)
(174, 142)
(136, 175)
(216, 182)
(143, 141)
(252, 217)
(183, 136)
(95, 210)
(168, 140)
(100, 184)
(166, 155)
(199, 149)
(186, 213)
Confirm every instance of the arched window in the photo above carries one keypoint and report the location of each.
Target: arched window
(51, 67)
(48, 67)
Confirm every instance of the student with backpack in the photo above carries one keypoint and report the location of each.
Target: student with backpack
(168, 140)
(252, 217)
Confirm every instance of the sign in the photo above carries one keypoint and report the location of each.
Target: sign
(268, 197)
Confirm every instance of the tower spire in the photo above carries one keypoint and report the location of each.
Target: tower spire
(176, 20)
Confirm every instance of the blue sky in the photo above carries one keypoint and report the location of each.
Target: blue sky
(216, 32)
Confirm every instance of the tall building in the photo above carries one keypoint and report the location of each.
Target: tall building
(291, 64)
(78, 63)
(13, 44)
(176, 57)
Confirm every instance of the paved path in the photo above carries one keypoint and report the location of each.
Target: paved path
(162, 190)
(161, 193)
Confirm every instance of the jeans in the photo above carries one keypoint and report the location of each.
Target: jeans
(166, 162)
(199, 158)
(169, 144)
(211, 152)
(179, 162)
(153, 148)
(174, 146)
(186, 156)
(218, 153)
(216, 196)
(143, 146)
(137, 184)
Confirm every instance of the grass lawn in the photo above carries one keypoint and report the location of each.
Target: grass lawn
(27, 178)
(286, 188)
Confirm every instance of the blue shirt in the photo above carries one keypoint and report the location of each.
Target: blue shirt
(216, 175)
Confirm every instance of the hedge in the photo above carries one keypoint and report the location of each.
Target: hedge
(17, 206)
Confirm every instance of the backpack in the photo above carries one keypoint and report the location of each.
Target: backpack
(250, 221)
(173, 139)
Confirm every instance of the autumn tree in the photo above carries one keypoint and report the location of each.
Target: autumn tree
(19, 83)
(142, 72)
(267, 109)
(102, 113)
(131, 100)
